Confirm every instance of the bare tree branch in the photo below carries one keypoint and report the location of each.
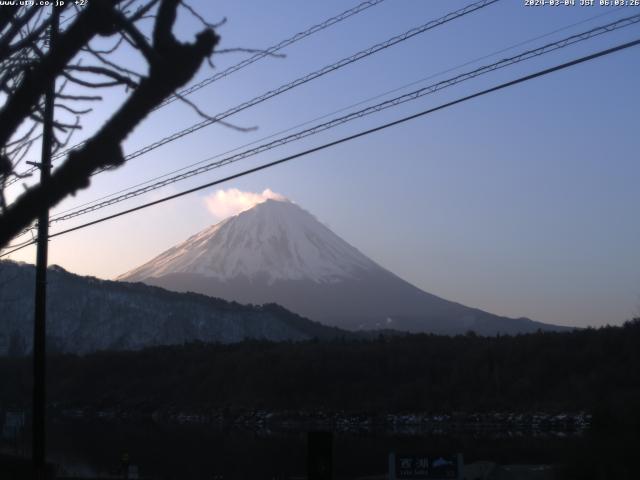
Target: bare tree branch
(113, 65)
(72, 110)
(142, 11)
(96, 18)
(109, 51)
(171, 65)
(118, 78)
(16, 24)
(197, 109)
(6, 50)
(79, 98)
(212, 26)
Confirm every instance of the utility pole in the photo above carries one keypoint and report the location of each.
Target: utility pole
(40, 319)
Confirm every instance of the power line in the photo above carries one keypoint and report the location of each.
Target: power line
(501, 86)
(307, 78)
(529, 54)
(271, 50)
(238, 66)
(21, 244)
(353, 105)
(312, 76)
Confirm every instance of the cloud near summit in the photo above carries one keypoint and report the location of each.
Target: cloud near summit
(225, 203)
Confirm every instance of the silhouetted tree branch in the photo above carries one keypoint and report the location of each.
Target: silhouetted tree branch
(28, 71)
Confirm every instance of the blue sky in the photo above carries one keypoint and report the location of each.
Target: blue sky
(522, 203)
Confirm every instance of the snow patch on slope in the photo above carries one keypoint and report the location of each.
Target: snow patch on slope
(275, 239)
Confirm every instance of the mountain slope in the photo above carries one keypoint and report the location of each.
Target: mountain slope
(273, 241)
(278, 252)
(86, 314)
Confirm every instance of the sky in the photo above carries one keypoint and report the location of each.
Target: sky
(523, 202)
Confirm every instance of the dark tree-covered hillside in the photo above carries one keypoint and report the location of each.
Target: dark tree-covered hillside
(596, 370)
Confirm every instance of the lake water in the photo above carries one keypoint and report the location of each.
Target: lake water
(165, 451)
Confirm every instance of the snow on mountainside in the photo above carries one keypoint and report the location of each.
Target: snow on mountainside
(277, 252)
(276, 240)
(85, 314)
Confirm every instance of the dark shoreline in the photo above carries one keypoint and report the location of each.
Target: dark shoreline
(533, 423)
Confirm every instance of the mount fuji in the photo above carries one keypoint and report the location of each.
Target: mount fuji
(276, 252)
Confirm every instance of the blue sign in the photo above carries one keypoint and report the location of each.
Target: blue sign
(424, 467)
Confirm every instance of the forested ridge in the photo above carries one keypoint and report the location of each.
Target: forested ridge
(595, 370)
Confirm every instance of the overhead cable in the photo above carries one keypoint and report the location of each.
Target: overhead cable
(234, 68)
(496, 88)
(340, 110)
(306, 78)
(421, 92)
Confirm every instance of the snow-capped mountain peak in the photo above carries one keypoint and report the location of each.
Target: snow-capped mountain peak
(275, 239)
(276, 252)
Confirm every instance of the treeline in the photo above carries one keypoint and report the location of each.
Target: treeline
(596, 370)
